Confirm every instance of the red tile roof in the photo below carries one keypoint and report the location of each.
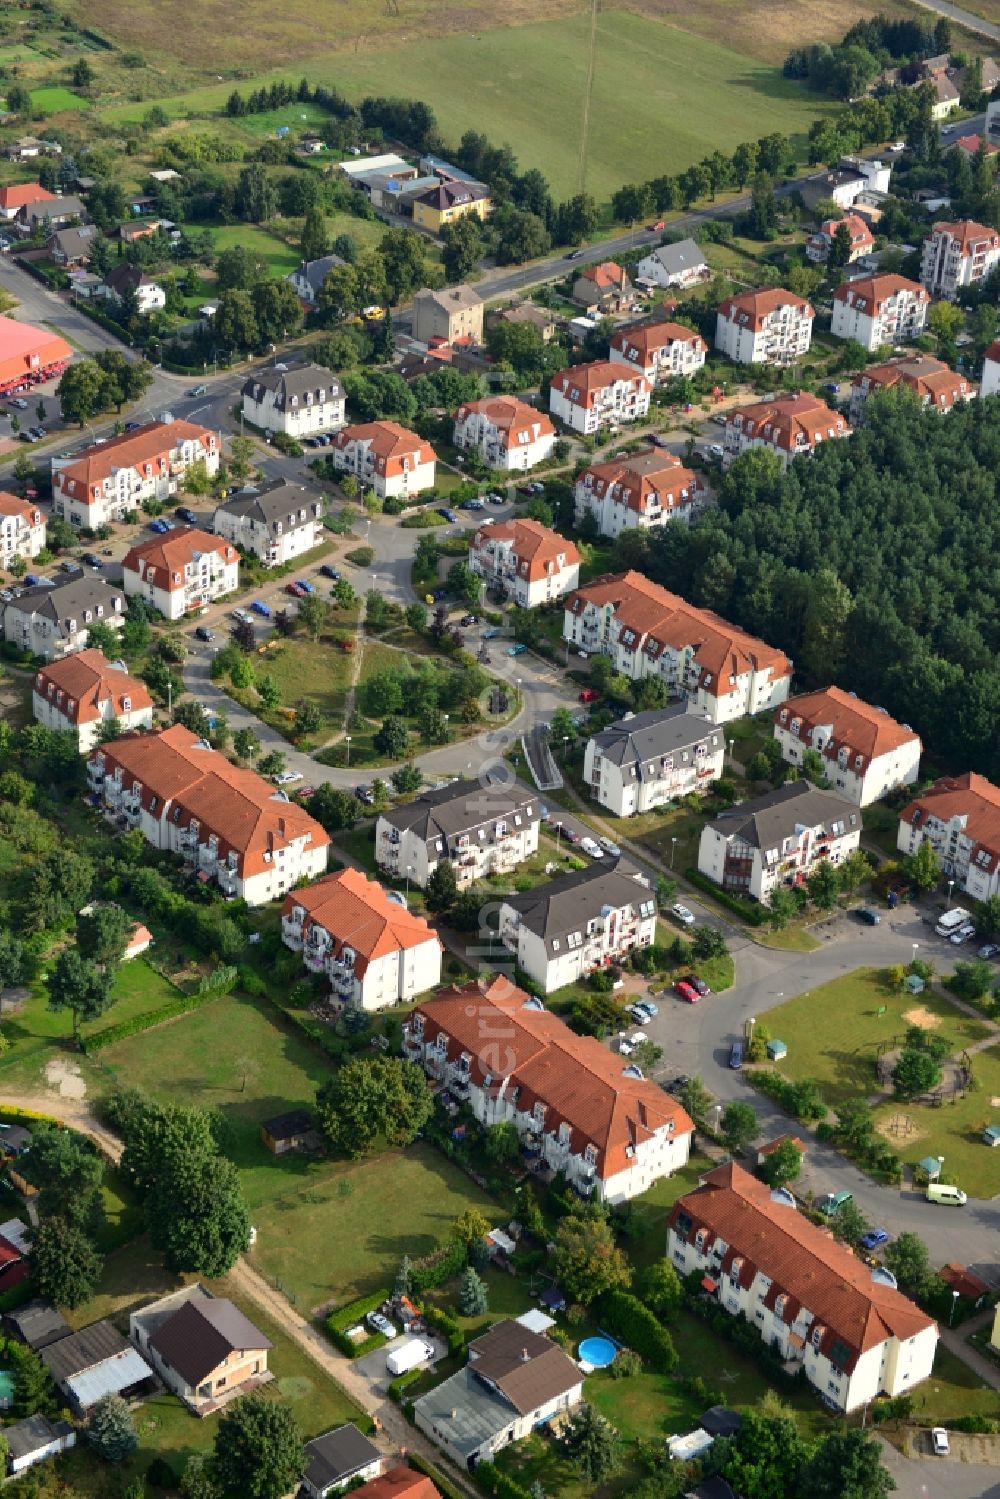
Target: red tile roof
(17, 194)
(772, 1145)
(79, 685)
(968, 235)
(869, 294)
(12, 504)
(399, 1483)
(751, 309)
(390, 443)
(966, 1282)
(532, 544)
(25, 350)
(973, 800)
(588, 380)
(510, 416)
(971, 143)
(861, 235)
(786, 420)
(922, 373)
(578, 1080)
(640, 344)
(154, 445)
(608, 276)
(247, 815)
(357, 913)
(852, 724)
(161, 560)
(721, 650)
(805, 1263)
(640, 479)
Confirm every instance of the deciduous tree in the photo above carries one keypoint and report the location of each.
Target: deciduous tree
(258, 1448)
(586, 1259)
(65, 1265)
(373, 1097)
(81, 986)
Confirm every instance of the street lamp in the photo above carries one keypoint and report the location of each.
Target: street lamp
(751, 1022)
(914, 957)
(347, 741)
(731, 744)
(718, 1115)
(558, 836)
(954, 1300)
(951, 886)
(409, 871)
(673, 845)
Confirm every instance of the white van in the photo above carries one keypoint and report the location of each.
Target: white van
(950, 1196)
(951, 921)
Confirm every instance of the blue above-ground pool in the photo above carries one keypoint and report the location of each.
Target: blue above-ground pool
(597, 1352)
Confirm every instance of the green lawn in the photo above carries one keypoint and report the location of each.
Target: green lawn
(954, 1130)
(832, 1032)
(953, 1390)
(281, 258)
(55, 99)
(297, 116)
(647, 1236)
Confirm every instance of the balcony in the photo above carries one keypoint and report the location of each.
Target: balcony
(314, 956)
(228, 881)
(291, 932)
(208, 857)
(413, 1045)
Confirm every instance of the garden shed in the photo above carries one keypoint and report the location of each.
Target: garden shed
(914, 983)
(776, 1050)
(991, 1134)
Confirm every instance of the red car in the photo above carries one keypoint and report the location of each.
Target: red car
(687, 991)
(589, 695)
(296, 590)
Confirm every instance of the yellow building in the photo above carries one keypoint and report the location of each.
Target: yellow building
(448, 201)
(995, 1334)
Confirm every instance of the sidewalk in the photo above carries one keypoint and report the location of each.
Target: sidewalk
(955, 1339)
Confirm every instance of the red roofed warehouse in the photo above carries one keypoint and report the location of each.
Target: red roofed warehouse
(16, 195)
(374, 951)
(789, 426)
(507, 433)
(931, 381)
(853, 1334)
(639, 491)
(877, 310)
(867, 753)
(385, 457)
(723, 672)
(958, 255)
(960, 815)
(181, 571)
(82, 693)
(588, 397)
(526, 561)
(228, 825)
(106, 482)
(577, 1106)
(22, 528)
(660, 351)
(773, 326)
(29, 355)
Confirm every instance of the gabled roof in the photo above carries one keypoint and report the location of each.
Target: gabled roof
(201, 1334)
(462, 807)
(357, 913)
(972, 801)
(526, 1367)
(641, 343)
(38, 1324)
(968, 235)
(153, 444)
(454, 195)
(48, 207)
(451, 298)
(84, 682)
(582, 384)
(315, 272)
(652, 476)
(510, 416)
(399, 1483)
(162, 559)
(566, 904)
(27, 510)
(277, 503)
(851, 1311)
(70, 601)
(764, 822)
(33, 1434)
(751, 309)
(16, 194)
(859, 231)
(124, 275)
(685, 255)
(337, 1455)
(535, 548)
(993, 353)
(74, 243)
(869, 294)
(292, 385)
(922, 373)
(389, 442)
(639, 741)
(847, 723)
(83, 1350)
(791, 423)
(607, 276)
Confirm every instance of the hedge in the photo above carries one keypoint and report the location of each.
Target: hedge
(489, 1478)
(628, 1319)
(338, 1321)
(16, 1296)
(445, 1322)
(12, 1114)
(398, 1385)
(179, 1006)
(748, 910)
(443, 1485)
(434, 1269)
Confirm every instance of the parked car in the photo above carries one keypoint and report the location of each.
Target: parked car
(939, 1437)
(874, 1238)
(896, 148)
(589, 695)
(305, 585)
(988, 950)
(833, 1202)
(259, 607)
(473, 504)
(716, 450)
(683, 915)
(159, 526)
(17, 401)
(242, 616)
(27, 436)
(32, 579)
(736, 1055)
(676, 1083)
(649, 1006)
(639, 1015)
(516, 650)
(203, 633)
(868, 916)
(287, 777)
(526, 489)
(37, 433)
(686, 991)
(132, 426)
(571, 835)
(965, 931)
(198, 390)
(470, 619)
(492, 632)
(381, 1324)
(91, 559)
(327, 571)
(365, 794)
(592, 848)
(495, 499)
(296, 590)
(185, 513)
(448, 514)
(610, 847)
(699, 984)
(574, 255)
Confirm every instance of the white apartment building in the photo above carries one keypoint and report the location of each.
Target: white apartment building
(772, 326)
(587, 397)
(81, 693)
(525, 561)
(483, 829)
(931, 381)
(877, 310)
(385, 457)
(56, 621)
(960, 816)
(374, 951)
(789, 426)
(110, 480)
(299, 400)
(276, 522)
(578, 922)
(722, 672)
(182, 570)
(22, 528)
(578, 1107)
(866, 753)
(990, 384)
(958, 255)
(228, 825)
(659, 351)
(778, 839)
(507, 434)
(819, 245)
(638, 491)
(810, 1298)
(648, 759)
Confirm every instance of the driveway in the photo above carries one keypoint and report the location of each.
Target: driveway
(372, 1368)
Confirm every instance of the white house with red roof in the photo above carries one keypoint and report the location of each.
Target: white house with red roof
(17, 195)
(109, 480)
(507, 433)
(960, 815)
(771, 326)
(661, 351)
(385, 457)
(990, 383)
(958, 255)
(578, 1107)
(82, 693)
(637, 492)
(230, 826)
(182, 570)
(932, 381)
(587, 397)
(723, 672)
(866, 753)
(789, 426)
(374, 951)
(819, 245)
(529, 563)
(877, 310)
(22, 528)
(822, 1309)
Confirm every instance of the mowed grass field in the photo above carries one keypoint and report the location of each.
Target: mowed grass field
(955, 1130)
(56, 99)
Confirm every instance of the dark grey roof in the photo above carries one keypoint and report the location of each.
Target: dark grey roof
(32, 1434)
(713, 1488)
(466, 1412)
(52, 209)
(337, 1455)
(567, 903)
(291, 385)
(463, 807)
(315, 272)
(685, 255)
(273, 504)
(38, 1324)
(83, 1349)
(720, 1421)
(74, 241)
(201, 1333)
(642, 738)
(766, 820)
(69, 600)
(287, 1126)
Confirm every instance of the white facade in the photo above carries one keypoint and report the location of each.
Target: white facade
(52, 710)
(383, 462)
(504, 440)
(22, 529)
(991, 372)
(959, 819)
(859, 775)
(896, 318)
(958, 255)
(35, 629)
(607, 935)
(107, 482)
(527, 579)
(273, 534)
(496, 846)
(586, 401)
(643, 492)
(734, 860)
(396, 977)
(299, 402)
(629, 785)
(186, 583)
(764, 328)
(660, 354)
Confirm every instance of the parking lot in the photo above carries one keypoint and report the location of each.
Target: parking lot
(372, 1367)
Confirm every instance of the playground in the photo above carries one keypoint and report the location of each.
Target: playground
(952, 1129)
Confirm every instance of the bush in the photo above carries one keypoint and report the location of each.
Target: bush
(443, 1485)
(448, 1324)
(398, 1386)
(179, 1006)
(628, 1319)
(338, 1321)
(748, 910)
(361, 556)
(489, 1478)
(434, 1269)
